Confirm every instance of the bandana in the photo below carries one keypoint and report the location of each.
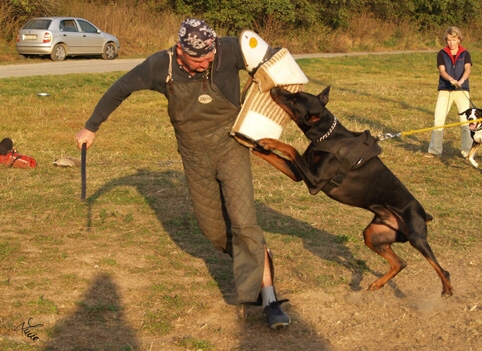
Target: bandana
(196, 37)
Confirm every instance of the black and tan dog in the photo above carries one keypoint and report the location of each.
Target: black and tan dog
(472, 114)
(345, 166)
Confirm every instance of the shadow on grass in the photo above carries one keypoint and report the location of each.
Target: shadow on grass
(97, 324)
(166, 193)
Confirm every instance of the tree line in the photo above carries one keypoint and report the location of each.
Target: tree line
(284, 15)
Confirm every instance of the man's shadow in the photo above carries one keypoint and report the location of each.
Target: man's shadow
(167, 195)
(97, 324)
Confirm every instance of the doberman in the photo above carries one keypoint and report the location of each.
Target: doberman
(346, 167)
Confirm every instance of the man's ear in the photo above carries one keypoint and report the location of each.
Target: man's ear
(178, 49)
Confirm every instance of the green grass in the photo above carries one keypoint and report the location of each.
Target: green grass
(131, 261)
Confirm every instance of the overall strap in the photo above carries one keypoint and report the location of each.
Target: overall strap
(170, 52)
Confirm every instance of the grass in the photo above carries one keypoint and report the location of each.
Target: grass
(129, 267)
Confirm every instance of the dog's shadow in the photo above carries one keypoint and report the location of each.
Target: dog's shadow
(166, 193)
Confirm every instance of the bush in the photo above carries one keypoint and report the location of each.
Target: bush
(301, 25)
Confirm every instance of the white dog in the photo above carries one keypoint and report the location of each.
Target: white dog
(475, 131)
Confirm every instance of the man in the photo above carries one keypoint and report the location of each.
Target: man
(200, 78)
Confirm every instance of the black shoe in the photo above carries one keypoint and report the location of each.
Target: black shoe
(275, 315)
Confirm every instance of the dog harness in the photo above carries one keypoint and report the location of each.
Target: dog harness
(352, 154)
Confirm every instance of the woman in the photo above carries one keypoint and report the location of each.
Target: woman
(454, 65)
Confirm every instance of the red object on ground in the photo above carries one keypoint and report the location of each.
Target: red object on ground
(15, 160)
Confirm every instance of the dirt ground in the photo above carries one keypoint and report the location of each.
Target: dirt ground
(120, 275)
(407, 314)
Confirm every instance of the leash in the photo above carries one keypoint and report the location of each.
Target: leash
(399, 134)
(473, 105)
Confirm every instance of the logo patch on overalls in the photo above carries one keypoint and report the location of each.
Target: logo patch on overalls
(205, 99)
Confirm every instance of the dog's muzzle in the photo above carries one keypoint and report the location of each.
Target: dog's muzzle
(474, 126)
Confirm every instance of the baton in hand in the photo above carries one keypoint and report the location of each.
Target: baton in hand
(83, 177)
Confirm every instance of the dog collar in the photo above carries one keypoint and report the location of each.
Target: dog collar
(327, 134)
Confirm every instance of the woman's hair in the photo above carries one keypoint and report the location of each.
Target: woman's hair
(455, 31)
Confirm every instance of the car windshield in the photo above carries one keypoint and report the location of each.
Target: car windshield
(38, 24)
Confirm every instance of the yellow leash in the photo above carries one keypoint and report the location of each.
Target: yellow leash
(395, 135)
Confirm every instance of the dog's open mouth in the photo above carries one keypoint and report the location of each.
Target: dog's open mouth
(473, 126)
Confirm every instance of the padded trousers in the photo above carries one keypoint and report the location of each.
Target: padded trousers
(218, 173)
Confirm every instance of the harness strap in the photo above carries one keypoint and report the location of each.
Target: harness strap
(334, 182)
(353, 154)
(169, 71)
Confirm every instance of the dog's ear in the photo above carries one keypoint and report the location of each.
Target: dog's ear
(323, 96)
(466, 112)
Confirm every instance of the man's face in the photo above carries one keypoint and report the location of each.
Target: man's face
(194, 64)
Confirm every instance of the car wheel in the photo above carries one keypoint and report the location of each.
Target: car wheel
(59, 53)
(109, 52)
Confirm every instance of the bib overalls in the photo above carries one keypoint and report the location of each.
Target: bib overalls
(218, 173)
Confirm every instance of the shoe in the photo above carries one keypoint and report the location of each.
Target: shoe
(276, 317)
(430, 155)
(464, 154)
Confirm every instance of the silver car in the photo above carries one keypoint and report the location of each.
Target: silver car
(60, 37)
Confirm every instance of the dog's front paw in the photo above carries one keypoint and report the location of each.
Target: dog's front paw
(267, 143)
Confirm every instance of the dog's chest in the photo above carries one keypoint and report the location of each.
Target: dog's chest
(478, 136)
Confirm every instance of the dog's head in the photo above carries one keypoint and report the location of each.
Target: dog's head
(473, 114)
(305, 109)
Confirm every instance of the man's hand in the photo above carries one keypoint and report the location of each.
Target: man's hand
(85, 136)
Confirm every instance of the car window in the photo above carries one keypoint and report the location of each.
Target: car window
(38, 24)
(86, 27)
(68, 26)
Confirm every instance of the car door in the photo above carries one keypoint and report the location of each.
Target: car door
(71, 35)
(92, 40)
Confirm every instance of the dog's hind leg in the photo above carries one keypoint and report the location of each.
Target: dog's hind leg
(419, 241)
(379, 237)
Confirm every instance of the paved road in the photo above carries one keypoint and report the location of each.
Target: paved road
(99, 66)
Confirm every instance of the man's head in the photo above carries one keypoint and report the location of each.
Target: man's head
(196, 38)
(197, 45)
